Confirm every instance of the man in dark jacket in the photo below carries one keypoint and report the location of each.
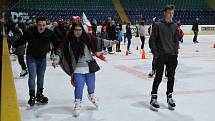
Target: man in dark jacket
(195, 29)
(111, 30)
(20, 50)
(163, 44)
(128, 36)
(119, 35)
(38, 39)
(21, 24)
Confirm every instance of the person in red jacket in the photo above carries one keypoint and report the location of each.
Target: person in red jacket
(180, 32)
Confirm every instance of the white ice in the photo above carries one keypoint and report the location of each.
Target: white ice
(123, 88)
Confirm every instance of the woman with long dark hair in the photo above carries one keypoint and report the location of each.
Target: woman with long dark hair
(76, 59)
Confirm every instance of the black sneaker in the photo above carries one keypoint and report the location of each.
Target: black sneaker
(153, 103)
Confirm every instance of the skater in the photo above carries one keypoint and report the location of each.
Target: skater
(38, 39)
(16, 32)
(195, 29)
(119, 36)
(104, 35)
(111, 30)
(77, 61)
(152, 73)
(180, 32)
(142, 34)
(128, 36)
(163, 41)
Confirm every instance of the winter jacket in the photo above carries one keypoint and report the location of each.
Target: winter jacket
(195, 26)
(128, 32)
(17, 33)
(111, 30)
(68, 60)
(38, 43)
(164, 38)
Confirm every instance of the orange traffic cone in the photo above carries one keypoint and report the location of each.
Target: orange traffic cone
(143, 55)
(126, 52)
(137, 47)
(214, 46)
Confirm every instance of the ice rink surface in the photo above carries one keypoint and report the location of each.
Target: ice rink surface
(123, 88)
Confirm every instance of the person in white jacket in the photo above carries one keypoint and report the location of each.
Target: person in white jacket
(142, 34)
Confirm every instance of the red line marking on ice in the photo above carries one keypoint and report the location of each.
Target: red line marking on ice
(142, 75)
(132, 71)
(194, 92)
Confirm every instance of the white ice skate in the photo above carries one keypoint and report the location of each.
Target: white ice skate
(77, 108)
(93, 99)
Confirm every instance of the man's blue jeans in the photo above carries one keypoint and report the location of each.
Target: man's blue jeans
(36, 67)
(80, 80)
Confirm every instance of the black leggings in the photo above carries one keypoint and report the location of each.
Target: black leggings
(142, 38)
(171, 63)
(21, 61)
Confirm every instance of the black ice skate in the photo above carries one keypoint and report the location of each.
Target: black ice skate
(153, 103)
(23, 73)
(31, 101)
(40, 97)
(170, 102)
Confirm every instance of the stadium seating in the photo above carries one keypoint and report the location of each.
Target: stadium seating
(186, 10)
(97, 9)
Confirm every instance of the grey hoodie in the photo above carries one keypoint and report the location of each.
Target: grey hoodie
(164, 38)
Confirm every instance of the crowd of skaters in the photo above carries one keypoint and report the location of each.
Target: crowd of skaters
(82, 35)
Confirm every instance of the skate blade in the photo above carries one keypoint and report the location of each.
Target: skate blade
(29, 107)
(39, 103)
(154, 109)
(76, 114)
(24, 75)
(20, 77)
(171, 108)
(96, 106)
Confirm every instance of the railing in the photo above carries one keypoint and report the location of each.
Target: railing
(9, 104)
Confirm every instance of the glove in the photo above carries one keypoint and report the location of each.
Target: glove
(56, 60)
(101, 56)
